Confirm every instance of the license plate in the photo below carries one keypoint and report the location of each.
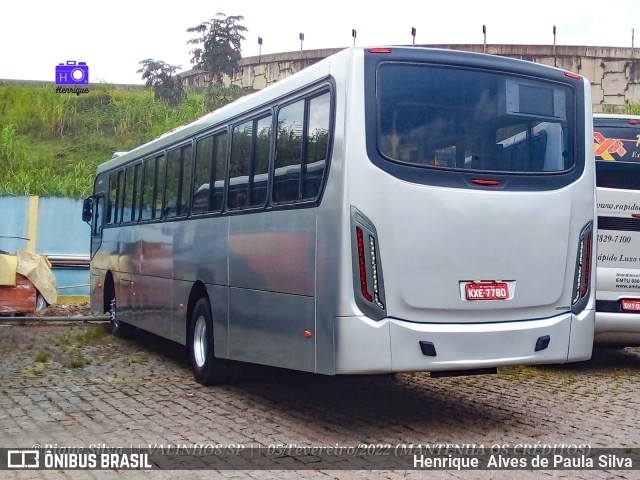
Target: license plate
(631, 305)
(487, 291)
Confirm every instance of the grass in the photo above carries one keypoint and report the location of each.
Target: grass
(72, 348)
(78, 361)
(92, 335)
(51, 143)
(632, 109)
(72, 344)
(42, 357)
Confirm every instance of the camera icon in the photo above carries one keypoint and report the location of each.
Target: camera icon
(72, 73)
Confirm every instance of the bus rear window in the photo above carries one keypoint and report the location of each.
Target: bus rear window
(452, 118)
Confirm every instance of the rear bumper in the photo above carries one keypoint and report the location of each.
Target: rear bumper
(615, 328)
(391, 345)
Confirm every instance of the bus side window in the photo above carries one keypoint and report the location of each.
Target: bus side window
(173, 184)
(120, 196)
(239, 166)
(127, 203)
(112, 198)
(98, 215)
(137, 193)
(302, 147)
(185, 185)
(288, 160)
(158, 190)
(202, 176)
(260, 162)
(317, 148)
(218, 171)
(147, 188)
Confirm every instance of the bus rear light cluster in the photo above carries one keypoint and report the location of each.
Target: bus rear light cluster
(583, 265)
(367, 267)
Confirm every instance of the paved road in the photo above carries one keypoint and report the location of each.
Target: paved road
(141, 392)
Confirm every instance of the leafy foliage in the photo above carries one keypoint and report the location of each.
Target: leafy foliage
(160, 76)
(51, 144)
(217, 95)
(218, 51)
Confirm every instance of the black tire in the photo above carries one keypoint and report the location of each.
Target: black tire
(207, 369)
(118, 328)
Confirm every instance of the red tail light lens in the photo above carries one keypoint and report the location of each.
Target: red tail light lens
(488, 183)
(363, 268)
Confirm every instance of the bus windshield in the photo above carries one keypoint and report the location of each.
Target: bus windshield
(454, 118)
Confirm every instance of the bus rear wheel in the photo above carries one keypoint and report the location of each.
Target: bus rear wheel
(207, 369)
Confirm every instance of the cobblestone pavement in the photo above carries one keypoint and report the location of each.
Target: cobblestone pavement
(77, 386)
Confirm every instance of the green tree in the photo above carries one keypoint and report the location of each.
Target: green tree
(218, 46)
(217, 95)
(160, 76)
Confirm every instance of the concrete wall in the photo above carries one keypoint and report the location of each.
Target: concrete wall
(614, 73)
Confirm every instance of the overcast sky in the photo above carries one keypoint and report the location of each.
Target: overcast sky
(113, 36)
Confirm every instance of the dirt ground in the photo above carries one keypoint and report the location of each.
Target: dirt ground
(64, 310)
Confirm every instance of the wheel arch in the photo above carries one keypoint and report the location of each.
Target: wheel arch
(109, 291)
(198, 291)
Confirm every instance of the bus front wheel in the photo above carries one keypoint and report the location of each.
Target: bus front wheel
(207, 369)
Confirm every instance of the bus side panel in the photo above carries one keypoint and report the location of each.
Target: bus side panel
(618, 259)
(273, 251)
(269, 328)
(271, 266)
(128, 267)
(200, 250)
(618, 264)
(154, 257)
(199, 254)
(97, 288)
(154, 307)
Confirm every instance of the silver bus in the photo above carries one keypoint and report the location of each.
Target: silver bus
(617, 149)
(384, 210)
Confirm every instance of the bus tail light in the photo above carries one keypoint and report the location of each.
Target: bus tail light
(380, 50)
(582, 282)
(363, 267)
(368, 282)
